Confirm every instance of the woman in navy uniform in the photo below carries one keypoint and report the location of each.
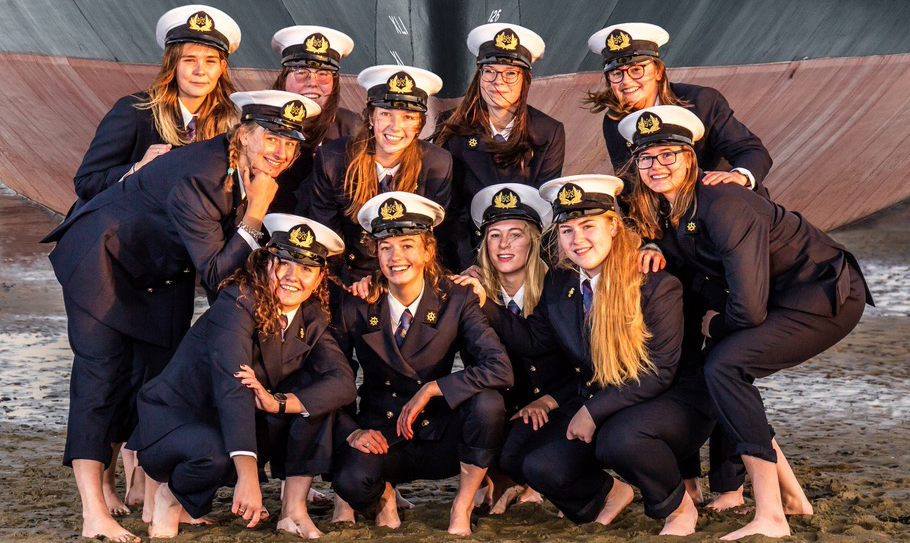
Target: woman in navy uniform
(384, 154)
(258, 378)
(511, 270)
(769, 277)
(186, 102)
(637, 78)
(128, 259)
(494, 135)
(310, 60)
(417, 419)
(628, 406)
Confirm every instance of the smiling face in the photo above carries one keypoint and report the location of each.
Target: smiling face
(198, 70)
(639, 93)
(293, 282)
(402, 259)
(665, 180)
(267, 152)
(586, 241)
(498, 94)
(394, 130)
(316, 85)
(508, 245)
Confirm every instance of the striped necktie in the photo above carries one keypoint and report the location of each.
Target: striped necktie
(499, 138)
(191, 130)
(587, 296)
(284, 324)
(403, 324)
(513, 307)
(385, 185)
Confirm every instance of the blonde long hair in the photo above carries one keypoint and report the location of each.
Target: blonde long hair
(645, 204)
(360, 183)
(606, 99)
(433, 272)
(617, 334)
(535, 270)
(215, 116)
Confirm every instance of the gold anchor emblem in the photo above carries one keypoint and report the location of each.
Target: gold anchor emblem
(301, 236)
(506, 40)
(317, 43)
(505, 200)
(618, 40)
(201, 22)
(649, 125)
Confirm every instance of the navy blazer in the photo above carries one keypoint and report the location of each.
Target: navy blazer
(286, 198)
(121, 140)
(198, 384)
(725, 136)
(475, 168)
(445, 322)
(129, 256)
(558, 324)
(746, 253)
(324, 190)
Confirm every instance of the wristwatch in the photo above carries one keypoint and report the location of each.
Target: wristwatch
(282, 402)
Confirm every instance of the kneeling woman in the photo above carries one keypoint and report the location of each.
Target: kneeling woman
(417, 419)
(770, 277)
(626, 407)
(233, 395)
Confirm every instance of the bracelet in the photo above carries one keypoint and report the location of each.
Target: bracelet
(257, 235)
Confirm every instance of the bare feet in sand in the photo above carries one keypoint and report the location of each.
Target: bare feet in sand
(343, 512)
(727, 500)
(505, 500)
(460, 518)
(388, 510)
(185, 518)
(166, 517)
(96, 516)
(769, 527)
(114, 504)
(530, 496)
(314, 496)
(682, 520)
(108, 529)
(401, 502)
(619, 497)
(693, 488)
(301, 526)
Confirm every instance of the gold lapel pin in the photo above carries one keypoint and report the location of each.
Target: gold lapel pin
(431, 316)
(571, 292)
(472, 142)
(690, 227)
(374, 321)
(302, 333)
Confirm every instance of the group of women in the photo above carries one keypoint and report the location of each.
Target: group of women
(323, 239)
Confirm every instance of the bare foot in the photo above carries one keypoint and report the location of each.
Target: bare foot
(114, 504)
(682, 520)
(401, 502)
(530, 496)
(510, 495)
(693, 488)
(619, 497)
(388, 511)
(797, 505)
(343, 511)
(765, 526)
(185, 518)
(302, 527)
(166, 517)
(484, 495)
(107, 528)
(460, 519)
(135, 483)
(314, 496)
(727, 500)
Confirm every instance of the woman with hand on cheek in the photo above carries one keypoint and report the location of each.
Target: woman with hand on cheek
(310, 62)
(417, 419)
(626, 406)
(768, 277)
(257, 379)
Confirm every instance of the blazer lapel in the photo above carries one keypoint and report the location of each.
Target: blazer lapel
(382, 339)
(270, 346)
(570, 314)
(480, 156)
(423, 327)
(297, 341)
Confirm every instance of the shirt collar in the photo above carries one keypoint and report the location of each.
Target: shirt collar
(396, 308)
(582, 275)
(185, 113)
(291, 314)
(519, 296)
(382, 171)
(505, 132)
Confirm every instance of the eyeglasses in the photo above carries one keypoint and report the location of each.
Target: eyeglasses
(321, 76)
(509, 77)
(666, 158)
(635, 71)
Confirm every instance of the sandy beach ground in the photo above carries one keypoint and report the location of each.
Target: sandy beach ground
(843, 419)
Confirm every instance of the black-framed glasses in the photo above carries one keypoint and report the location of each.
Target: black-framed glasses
(635, 71)
(321, 76)
(509, 76)
(666, 158)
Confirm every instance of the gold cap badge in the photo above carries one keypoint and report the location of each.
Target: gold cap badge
(505, 199)
(648, 124)
(317, 44)
(506, 40)
(400, 83)
(570, 194)
(302, 236)
(201, 22)
(392, 209)
(294, 111)
(618, 40)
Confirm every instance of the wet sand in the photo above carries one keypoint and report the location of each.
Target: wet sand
(843, 419)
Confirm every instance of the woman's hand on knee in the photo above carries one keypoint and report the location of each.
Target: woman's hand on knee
(368, 441)
(535, 412)
(582, 426)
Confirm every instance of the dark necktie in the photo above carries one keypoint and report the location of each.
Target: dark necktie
(403, 324)
(283, 318)
(499, 138)
(191, 130)
(587, 296)
(385, 185)
(513, 307)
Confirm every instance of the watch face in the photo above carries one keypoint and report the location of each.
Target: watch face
(279, 396)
